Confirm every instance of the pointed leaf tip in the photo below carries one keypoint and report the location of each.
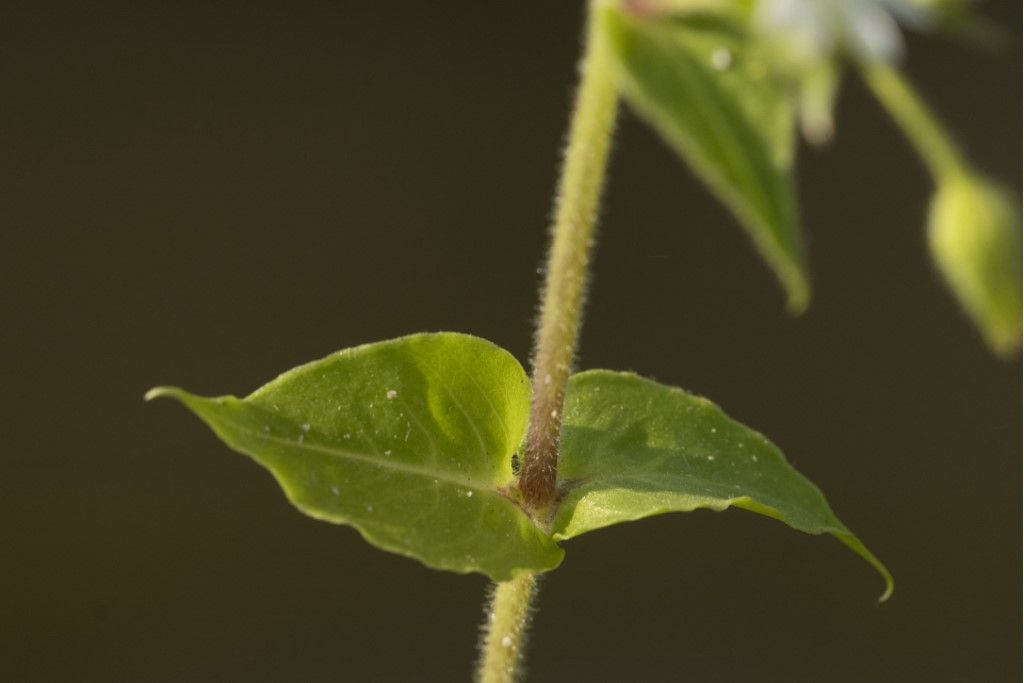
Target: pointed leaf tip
(798, 295)
(161, 392)
(704, 88)
(855, 544)
(410, 441)
(633, 448)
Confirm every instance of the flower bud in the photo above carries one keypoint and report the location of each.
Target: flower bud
(974, 232)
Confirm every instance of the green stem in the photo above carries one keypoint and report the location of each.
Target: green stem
(572, 237)
(505, 631)
(933, 142)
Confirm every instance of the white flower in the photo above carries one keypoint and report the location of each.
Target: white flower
(812, 30)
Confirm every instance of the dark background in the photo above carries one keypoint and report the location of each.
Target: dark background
(206, 194)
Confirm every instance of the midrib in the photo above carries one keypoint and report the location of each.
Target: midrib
(407, 468)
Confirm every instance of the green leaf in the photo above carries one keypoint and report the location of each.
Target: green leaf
(701, 85)
(410, 441)
(632, 448)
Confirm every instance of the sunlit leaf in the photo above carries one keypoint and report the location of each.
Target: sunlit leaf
(697, 83)
(410, 441)
(632, 448)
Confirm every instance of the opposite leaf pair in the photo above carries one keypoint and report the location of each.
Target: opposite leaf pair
(412, 442)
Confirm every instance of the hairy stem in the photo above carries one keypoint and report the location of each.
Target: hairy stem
(572, 235)
(926, 132)
(504, 634)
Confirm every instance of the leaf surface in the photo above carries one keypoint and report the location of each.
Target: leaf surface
(700, 84)
(410, 441)
(632, 448)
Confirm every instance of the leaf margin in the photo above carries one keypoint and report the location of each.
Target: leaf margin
(788, 262)
(562, 518)
(199, 405)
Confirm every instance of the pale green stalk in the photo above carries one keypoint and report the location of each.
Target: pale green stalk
(572, 236)
(504, 637)
(926, 132)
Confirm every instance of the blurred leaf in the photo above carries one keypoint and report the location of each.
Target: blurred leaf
(698, 84)
(410, 441)
(632, 448)
(974, 232)
(733, 9)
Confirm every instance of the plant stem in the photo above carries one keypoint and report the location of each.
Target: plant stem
(505, 631)
(572, 235)
(931, 139)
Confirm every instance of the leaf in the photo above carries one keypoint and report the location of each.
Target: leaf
(700, 84)
(632, 448)
(410, 441)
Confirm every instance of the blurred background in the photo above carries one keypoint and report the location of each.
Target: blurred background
(207, 194)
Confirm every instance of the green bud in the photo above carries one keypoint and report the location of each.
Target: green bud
(974, 231)
(817, 98)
